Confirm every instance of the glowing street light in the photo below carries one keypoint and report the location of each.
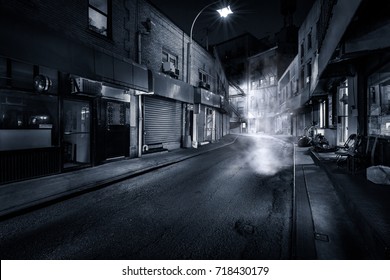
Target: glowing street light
(224, 12)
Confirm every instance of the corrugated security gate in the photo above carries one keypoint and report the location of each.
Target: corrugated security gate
(163, 120)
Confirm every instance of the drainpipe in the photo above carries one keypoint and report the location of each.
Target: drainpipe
(140, 114)
(140, 126)
(139, 57)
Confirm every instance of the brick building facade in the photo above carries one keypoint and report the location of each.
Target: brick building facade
(86, 82)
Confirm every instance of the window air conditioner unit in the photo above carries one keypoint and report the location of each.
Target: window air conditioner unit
(168, 67)
(204, 85)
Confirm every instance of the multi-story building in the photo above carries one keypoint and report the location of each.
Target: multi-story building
(254, 67)
(264, 70)
(86, 82)
(343, 62)
(295, 111)
(286, 112)
(234, 55)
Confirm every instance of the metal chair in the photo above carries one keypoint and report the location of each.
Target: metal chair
(349, 148)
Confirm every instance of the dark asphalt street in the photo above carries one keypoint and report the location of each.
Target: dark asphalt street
(231, 203)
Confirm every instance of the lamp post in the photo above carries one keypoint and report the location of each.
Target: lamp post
(224, 12)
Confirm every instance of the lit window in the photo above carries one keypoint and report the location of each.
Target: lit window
(323, 114)
(255, 84)
(98, 16)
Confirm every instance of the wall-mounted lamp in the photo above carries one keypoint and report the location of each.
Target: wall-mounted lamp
(148, 25)
(42, 83)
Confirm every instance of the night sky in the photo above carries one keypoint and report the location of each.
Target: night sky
(259, 17)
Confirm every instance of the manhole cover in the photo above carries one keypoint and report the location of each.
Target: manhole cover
(244, 228)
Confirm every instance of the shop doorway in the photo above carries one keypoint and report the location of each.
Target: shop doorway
(209, 127)
(76, 138)
(342, 114)
(117, 129)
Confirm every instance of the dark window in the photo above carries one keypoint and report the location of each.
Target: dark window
(203, 77)
(302, 78)
(309, 43)
(168, 57)
(308, 72)
(98, 13)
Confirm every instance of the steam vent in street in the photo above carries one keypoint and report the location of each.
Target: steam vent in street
(195, 130)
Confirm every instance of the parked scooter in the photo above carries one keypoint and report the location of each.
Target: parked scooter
(306, 140)
(316, 140)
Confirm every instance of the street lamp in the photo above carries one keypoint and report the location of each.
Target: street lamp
(224, 12)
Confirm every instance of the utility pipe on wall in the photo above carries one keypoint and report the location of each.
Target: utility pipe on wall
(140, 114)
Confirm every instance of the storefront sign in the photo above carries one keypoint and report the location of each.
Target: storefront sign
(206, 97)
(172, 88)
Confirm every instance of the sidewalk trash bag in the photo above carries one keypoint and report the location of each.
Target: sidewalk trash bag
(379, 174)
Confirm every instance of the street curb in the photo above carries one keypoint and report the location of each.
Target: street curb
(49, 200)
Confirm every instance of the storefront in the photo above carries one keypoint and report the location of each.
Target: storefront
(29, 121)
(207, 123)
(378, 121)
(96, 119)
(167, 114)
(52, 121)
(163, 122)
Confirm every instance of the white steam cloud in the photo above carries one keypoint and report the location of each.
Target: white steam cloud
(269, 155)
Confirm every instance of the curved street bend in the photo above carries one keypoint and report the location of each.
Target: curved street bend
(240, 201)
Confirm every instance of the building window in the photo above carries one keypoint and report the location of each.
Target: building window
(203, 77)
(308, 72)
(255, 85)
(294, 86)
(302, 49)
(323, 114)
(26, 116)
(99, 16)
(272, 80)
(302, 78)
(309, 41)
(379, 102)
(168, 57)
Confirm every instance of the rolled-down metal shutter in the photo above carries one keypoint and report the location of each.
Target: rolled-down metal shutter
(162, 120)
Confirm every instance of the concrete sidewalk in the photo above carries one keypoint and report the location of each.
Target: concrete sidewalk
(368, 204)
(348, 215)
(323, 227)
(24, 195)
